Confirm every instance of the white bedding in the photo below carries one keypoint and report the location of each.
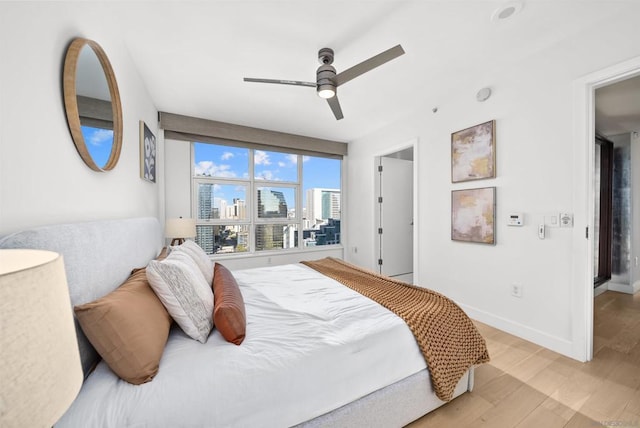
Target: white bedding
(312, 345)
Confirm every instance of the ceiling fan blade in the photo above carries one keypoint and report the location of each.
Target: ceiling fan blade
(368, 65)
(335, 107)
(280, 82)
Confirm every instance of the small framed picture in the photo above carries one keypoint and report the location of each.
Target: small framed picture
(147, 153)
(473, 213)
(473, 153)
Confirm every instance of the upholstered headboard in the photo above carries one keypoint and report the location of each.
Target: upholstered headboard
(98, 257)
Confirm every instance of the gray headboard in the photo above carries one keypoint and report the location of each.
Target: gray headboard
(98, 257)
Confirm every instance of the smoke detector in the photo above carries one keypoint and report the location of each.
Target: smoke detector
(483, 94)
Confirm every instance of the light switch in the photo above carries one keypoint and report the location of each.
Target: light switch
(551, 220)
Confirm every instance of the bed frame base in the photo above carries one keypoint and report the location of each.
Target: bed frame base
(393, 406)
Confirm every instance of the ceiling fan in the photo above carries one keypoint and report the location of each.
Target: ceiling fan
(327, 81)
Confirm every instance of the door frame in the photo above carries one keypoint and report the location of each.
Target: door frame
(413, 143)
(583, 201)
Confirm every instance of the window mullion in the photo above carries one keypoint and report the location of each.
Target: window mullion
(300, 204)
(253, 205)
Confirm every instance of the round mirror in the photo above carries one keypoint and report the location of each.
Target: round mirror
(92, 103)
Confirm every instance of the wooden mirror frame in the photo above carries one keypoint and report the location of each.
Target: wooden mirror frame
(71, 102)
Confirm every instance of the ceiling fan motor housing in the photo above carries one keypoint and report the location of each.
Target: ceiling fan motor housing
(325, 79)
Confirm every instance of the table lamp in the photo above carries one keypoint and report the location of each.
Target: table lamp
(40, 369)
(179, 229)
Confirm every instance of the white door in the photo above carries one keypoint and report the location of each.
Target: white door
(396, 218)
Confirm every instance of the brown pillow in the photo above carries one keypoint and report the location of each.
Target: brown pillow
(128, 327)
(228, 306)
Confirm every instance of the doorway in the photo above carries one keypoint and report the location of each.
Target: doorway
(584, 168)
(395, 226)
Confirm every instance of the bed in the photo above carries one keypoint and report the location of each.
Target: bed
(316, 353)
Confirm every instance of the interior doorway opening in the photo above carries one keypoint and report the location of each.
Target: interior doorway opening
(584, 163)
(395, 212)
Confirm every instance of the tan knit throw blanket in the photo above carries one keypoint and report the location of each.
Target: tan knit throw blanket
(449, 341)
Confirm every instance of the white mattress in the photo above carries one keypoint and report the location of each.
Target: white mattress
(312, 345)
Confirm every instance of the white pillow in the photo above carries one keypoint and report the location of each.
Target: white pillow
(193, 250)
(182, 289)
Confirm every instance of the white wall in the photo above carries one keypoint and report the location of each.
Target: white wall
(532, 104)
(43, 180)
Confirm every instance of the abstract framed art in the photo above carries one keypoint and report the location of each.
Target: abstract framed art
(147, 153)
(473, 153)
(473, 213)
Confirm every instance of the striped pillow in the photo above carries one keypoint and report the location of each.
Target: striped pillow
(202, 259)
(182, 289)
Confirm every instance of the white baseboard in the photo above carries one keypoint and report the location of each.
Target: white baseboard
(557, 344)
(600, 289)
(407, 277)
(624, 288)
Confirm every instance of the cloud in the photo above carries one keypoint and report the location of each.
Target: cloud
(209, 168)
(261, 158)
(226, 156)
(292, 158)
(100, 137)
(282, 164)
(266, 175)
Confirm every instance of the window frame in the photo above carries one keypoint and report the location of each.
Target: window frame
(252, 218)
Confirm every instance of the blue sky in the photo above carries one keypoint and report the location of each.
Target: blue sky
(233, 162)
(99, 143)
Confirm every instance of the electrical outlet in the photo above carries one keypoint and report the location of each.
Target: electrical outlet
(516, 290)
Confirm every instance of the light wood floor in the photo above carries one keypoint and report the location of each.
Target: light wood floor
(526, 385)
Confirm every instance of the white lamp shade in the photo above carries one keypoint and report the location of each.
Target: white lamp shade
(40, 367)
(180, 228)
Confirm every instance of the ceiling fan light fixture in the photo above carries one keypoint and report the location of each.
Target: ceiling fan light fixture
(326, 91)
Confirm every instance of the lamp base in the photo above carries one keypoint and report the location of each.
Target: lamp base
(179, 241)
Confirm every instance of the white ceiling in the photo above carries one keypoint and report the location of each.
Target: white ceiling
(193, 55)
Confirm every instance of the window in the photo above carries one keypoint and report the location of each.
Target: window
(249, 200)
